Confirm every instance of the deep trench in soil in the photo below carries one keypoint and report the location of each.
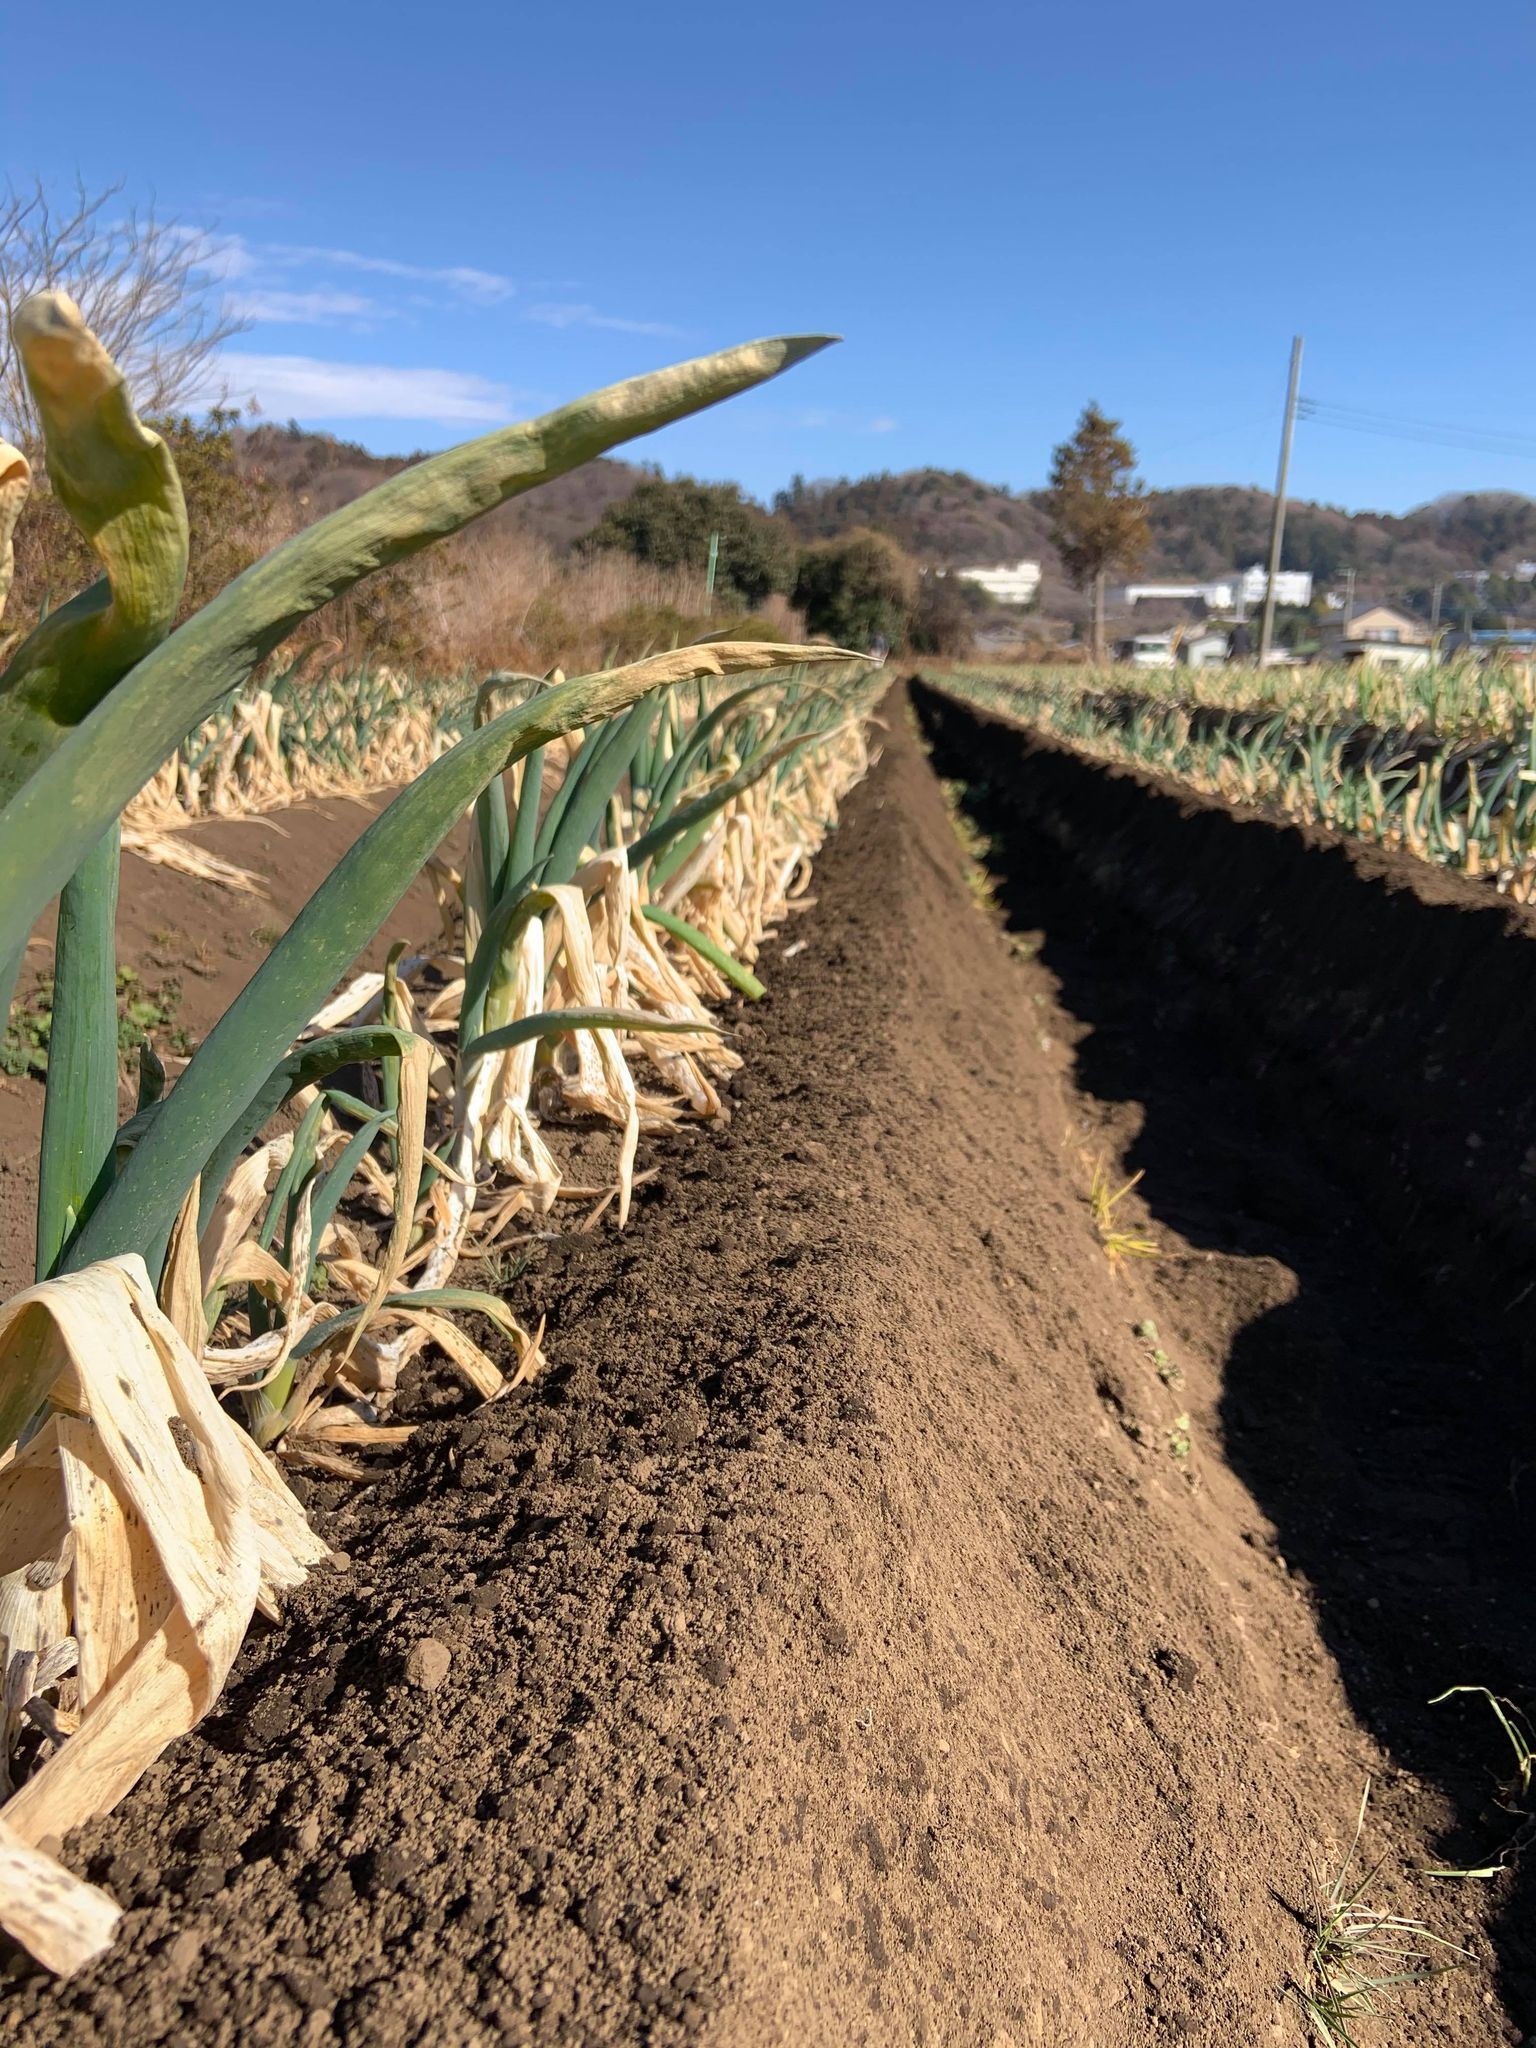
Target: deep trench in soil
(1380, 1415)
(858, 1636)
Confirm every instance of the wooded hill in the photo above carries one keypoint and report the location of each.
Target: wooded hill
(946, 519)
(320, 473)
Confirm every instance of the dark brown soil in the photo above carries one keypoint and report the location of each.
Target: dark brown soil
(842, 1645)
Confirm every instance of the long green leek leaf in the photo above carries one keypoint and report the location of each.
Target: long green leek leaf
(661, 836)
(68, 802)
(738, 976)
(698, 737)
(80, 1105)
(546, 1023)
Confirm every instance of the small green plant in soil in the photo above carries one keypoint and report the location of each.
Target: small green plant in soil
(24, 1048)
(1515, 1793)
(144, 1011)
(1170, 1373)
(1362, 1959)
(500, 1270)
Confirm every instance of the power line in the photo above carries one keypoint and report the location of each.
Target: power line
(1221, 433)
(1485, 445)
(1366, 412)
(1427, 433)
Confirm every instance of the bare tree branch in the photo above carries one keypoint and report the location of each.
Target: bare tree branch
(141, 282)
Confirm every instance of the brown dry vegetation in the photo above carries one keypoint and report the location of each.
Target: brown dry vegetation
(513, 600)
(511, 593)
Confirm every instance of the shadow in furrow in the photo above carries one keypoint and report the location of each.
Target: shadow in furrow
(1381, 1414)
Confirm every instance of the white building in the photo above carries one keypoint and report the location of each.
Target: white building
(1239, 592)
(1204, 649)
(1009, 582)
(1148, 650)
(1216, 597)
(1292, 586)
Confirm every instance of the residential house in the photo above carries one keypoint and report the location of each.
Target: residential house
(1148, 650)
(1204, 648)
(1379, 635)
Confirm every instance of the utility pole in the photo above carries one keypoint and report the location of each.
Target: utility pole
(709, 574)
(1277, 530)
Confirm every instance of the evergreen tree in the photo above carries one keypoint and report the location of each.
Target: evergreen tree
(1098, 508)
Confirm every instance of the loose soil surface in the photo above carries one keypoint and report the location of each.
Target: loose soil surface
(856, 1637)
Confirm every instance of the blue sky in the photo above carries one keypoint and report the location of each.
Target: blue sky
(440, 218)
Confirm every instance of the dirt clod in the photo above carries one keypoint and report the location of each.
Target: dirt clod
(427, 1663)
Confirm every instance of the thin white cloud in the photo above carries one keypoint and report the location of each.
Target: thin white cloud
(564, 314)
(233, 257)
(312, 284)
(307, 309)
(484, 287)
(306, 388)
(882, 423)
(223, 256)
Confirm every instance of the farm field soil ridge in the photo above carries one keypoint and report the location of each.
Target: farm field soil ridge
(853, 1639)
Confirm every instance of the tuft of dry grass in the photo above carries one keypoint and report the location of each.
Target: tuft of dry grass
(1103, 1200)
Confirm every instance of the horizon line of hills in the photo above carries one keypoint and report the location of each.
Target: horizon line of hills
(947, 519)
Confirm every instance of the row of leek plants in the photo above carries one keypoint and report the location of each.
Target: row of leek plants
(302, 734)
(139, 1525)
(620, 901)
(1466, 803)
(1462, 697)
